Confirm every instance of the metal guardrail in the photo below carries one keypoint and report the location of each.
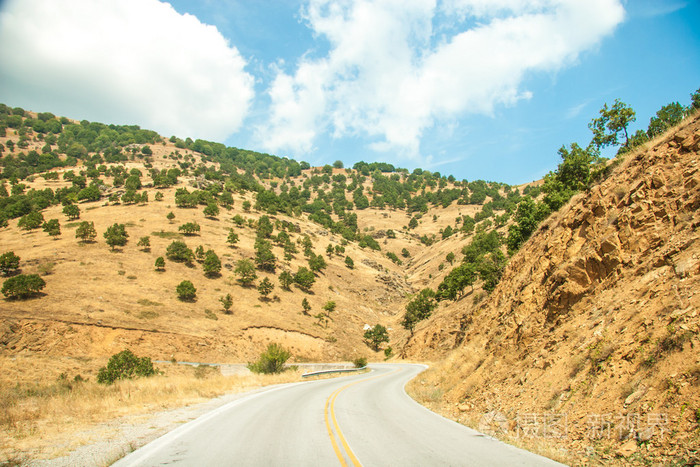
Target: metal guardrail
(326, 372)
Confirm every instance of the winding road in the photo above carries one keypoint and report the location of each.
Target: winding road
(363, 419)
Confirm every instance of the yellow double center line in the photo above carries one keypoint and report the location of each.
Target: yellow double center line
(330, 416)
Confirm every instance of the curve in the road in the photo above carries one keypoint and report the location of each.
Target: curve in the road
(291, 425)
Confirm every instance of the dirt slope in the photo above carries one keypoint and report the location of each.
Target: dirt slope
(596, 320)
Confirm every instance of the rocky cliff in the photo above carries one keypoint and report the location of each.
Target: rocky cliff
(595, 322)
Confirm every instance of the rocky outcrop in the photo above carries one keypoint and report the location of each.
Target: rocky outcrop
(598, 306)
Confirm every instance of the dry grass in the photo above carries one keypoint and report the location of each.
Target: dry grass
(32, 413)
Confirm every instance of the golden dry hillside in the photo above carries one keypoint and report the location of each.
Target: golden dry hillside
(589, 342)
(98, 301)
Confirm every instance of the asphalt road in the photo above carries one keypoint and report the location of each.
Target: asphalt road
(364, 419)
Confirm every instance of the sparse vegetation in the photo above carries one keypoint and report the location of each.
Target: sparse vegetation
(271, 361)
(125, 365)
(186, 291)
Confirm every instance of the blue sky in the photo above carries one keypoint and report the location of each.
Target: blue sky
(481, 89)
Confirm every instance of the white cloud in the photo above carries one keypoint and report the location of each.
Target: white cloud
(389, 76)
(126, 61)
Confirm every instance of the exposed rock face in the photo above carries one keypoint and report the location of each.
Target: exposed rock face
(600, 303)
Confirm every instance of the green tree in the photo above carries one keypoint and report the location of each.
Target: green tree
(419, 308)
(186, 291)
(9, 263)
(144, 243)
(264, 257)
(286, 279)
(179, 252)
(125, 365)
(245, 271)
(226, 303)
(349, 263)
(413, 223)
(171, 216)
(271, 361)
(212, 210)
(317, 263)
(116, 235)
(30, 221)
(265, 287)
(232, 238)
(160, 263)
(212, 264)
(306, 307)
(22, 286)
(329, 307)
(666, 117)
(612, 122)
(71, 211)
(304, 279)
(189, 228)
(376, 336)
(246, 206)
(86, 231)
(52, 227)
(199, 253)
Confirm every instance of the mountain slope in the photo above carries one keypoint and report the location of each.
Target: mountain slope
(596, 317)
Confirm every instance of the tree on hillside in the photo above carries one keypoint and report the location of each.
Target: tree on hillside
(212, 264)
(160, 263)
(232, 238)
(666, 117)
(52, 227)
(306, 307)
(116, 235)
(304, 279)
(86, 231)
(22, 286)
(189, 228)
(245, 270)
(179, 252)
(376, 336)
(31, 221)
(264, 257)
(611, 124)
(286, 279)
(171, 216)
(144, 243)
(212, 210)
(349, 263)
(419, 308)
(9, 263)
(71, 211)
(186, 291)
(265, 287)
(226, 303)
(317, 263)
(125, 365)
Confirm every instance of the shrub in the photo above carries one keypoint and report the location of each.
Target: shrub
(360, 362)
(125, 365)
(304, 278)
(23, 286)
(271, 361)
(179, 252)
(9, 263)
(186, 291)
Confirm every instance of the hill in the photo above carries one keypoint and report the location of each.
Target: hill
(98, 300)
(589, 342)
